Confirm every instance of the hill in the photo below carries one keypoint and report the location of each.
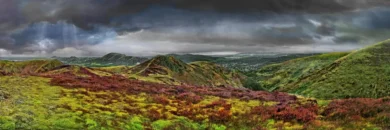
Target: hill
(77, 71)
(249, 63)
(278, 76)
(362, 73)
(111, 59)
(192, 58)
(27, 67)
(169, 70)
(119, 59)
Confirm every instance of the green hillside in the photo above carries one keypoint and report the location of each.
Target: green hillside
(27, 67)
(362, 73)
(278, 76)
(169, 70)
(111, 59)
(119, 59)
(192, 58)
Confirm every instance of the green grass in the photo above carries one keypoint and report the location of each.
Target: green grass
(31, 103)
(33, 66)
(169, 70)
(278, 76)
(363, 73)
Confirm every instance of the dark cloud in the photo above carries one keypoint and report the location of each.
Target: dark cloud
(263, 5)
(164, 26)
(85, 13)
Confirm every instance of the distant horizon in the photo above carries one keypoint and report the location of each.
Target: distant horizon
(204, 54)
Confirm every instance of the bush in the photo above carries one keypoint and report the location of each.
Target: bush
(253, 84)
(161, 124)
(7, 123)
(135, 123)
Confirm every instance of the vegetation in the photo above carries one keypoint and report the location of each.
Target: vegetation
(188, 58)
(111, 59)
(278, 76)
(169, 70)
(27, 67)
(115, 102)
(249, 63)
(363, 73)
(167, 93)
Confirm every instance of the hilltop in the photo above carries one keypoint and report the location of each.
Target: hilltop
(169, 70)
(111, 59)
(362, 73)
(119, 59)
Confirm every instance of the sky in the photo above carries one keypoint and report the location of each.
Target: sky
(153, 27)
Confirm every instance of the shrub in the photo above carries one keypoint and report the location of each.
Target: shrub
(67, 123)
(360, 107)
(135, 123)
(7, 123)
(253, 84)
(218, 127)
(161, 124)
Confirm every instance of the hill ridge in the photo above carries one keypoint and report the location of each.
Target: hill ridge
(363, 73)
(171, 70)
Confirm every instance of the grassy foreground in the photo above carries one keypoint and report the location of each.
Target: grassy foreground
(94, 102)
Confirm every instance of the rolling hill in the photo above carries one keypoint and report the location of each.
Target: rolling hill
(362, 73)
(27, 67)
(278, 76)
(111, 59)
(169, 70)
(188, 58)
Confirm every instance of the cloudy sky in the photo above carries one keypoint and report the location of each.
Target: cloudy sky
(151, 27)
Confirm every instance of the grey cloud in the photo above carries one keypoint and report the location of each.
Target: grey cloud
(91, 27)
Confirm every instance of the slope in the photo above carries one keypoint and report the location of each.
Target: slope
(169, 70)
(111, 59)
(363, 73)
(27, 67)
(278, 76)
(119, 59)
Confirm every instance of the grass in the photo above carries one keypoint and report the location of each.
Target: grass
(27, 67)
(34, 104)
(168, 70)
(363, 73)
(47, 95)
(278, 76)
(86, 100)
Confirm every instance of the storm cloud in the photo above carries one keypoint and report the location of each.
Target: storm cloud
(151, 27)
